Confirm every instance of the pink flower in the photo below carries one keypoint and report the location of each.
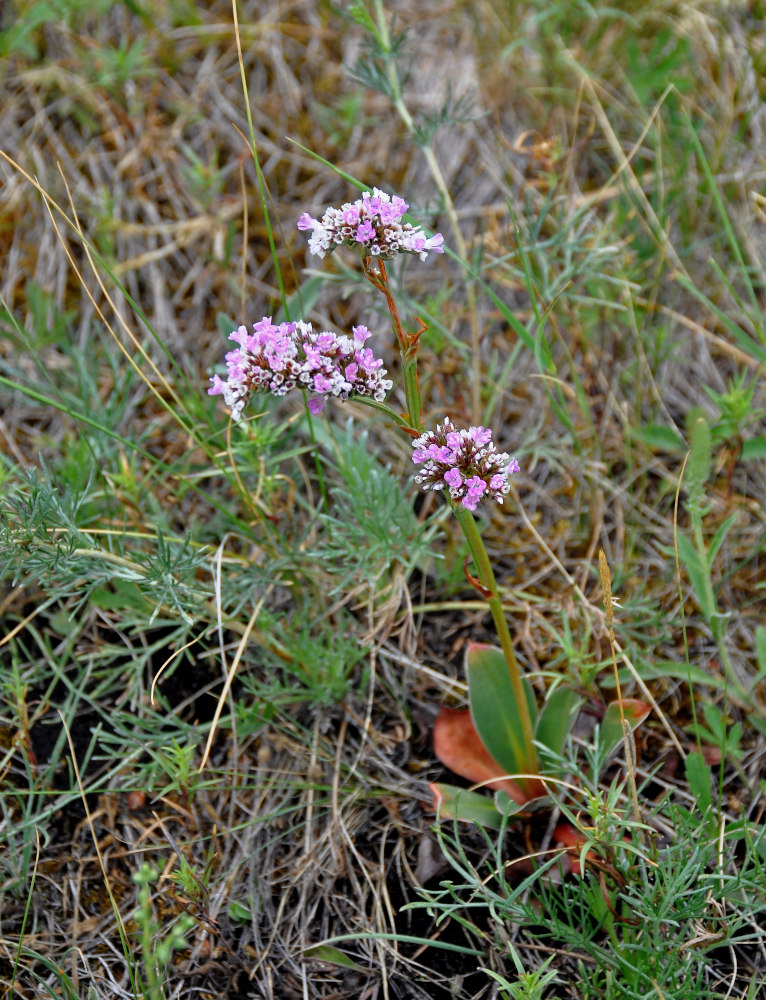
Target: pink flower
(365, 233)
(350, 215)
(435, 243)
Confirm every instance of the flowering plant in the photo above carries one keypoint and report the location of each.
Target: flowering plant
(496, 739)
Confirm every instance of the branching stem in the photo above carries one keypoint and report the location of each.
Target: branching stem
(376, 274)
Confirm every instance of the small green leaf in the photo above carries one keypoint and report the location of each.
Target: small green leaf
(745, 341)
(225, 324)
(754, 447)
(672, 668)
(326, 953)
(610, 730)
(64, 624)
(758, 722)
(718, 538)
(302, 302)
(698, 776)
(120, 595)
(716, 722)
(698, 576)
(760, 648)
(361, 15)
(239, 914)
(462, 804)
(659, 438)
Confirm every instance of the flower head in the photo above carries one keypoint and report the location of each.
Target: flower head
(373, 225)
(276, 359)
(463, 461)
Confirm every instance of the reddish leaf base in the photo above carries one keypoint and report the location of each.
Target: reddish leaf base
(458, 747)
(573, 839)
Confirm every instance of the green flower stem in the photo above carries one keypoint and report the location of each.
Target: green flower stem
(143, 878)
(401, 421)
(412, 392)
(482, 563)
(375, 272)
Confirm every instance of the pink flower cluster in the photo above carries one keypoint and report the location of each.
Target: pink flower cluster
(372, 225)
(276, 359)
(465, 462)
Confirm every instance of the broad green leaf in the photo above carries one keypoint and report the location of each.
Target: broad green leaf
(556, 718)
(610, 730)
(495, 712)
(458, 745)
(462, 804)
(506, 806)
